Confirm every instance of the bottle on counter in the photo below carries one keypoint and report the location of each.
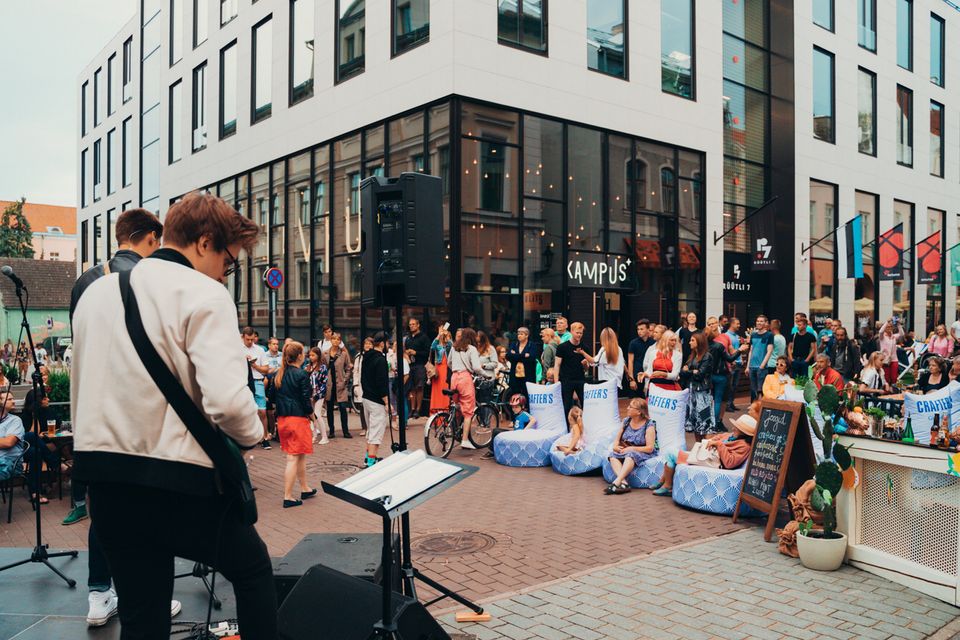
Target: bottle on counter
(943, 438)
(935, 430)
(908, 432)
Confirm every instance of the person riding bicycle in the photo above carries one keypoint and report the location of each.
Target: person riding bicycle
(521, 420)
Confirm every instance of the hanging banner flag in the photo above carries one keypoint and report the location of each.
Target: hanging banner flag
(764, 251)
(955, 265)
(850, 249)
(890, 254)
(929, 259)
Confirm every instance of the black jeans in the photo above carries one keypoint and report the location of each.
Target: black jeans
(567, 389)
(99, 578)
(142, 529)
(51, 458)
(343, 416)
(735, 372)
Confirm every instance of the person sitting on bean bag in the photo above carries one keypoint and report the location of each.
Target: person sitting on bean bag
(733, 449)
(636, 442)
(521, 420)
(575, 425)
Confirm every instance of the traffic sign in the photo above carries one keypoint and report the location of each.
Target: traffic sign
(273, 278)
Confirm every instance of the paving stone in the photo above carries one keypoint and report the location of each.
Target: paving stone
(760, 633)
(830, 632)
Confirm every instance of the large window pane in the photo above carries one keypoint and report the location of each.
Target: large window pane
(523, 23)
(175, 124)
(606, 36)
(542, 251)
(201, 17)
(619, 212)
(584, 189)
(823, 220)
(823, 13)
(490, 180)
(867, 112)
(176, 31)
(482, 121)
(903, 213)
(351, 37)
(867, 24)
(301, 50)
(677, 47)
(84, 91)
(411, 24)
(439, 164)
(823, 95)
(937, 45)
(228, 90)
(228, 10)
(866, 287)
(128, 69)
(543, 158)
(406, 144)
(346, 192)
(905, 34)
(936, 139)
(83, 177)
(744, 63)
(904, 126)
(97, 170)
(111, 75)
(199, 107)
(935, 221)
(262, 65)
(745, 121)
(97, 90)
(127, 151)
(112, 161)
(321, 231)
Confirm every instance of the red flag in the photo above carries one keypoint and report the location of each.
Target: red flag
(929, 260)
(890, 254)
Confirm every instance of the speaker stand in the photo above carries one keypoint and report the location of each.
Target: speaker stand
(201, 571)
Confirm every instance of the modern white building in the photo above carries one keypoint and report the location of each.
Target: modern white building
(569, 134)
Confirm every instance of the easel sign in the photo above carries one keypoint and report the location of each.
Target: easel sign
(774, 460)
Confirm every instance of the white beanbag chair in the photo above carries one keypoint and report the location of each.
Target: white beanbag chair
(667, 409)
(710, 490)
(601, 422)
(531, 447)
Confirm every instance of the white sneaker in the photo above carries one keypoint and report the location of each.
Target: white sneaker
(175, 607)
(103, 606)
(466, 444)
(324, 441)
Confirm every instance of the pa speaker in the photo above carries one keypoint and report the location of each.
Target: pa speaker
(403, 247)
(330, 605)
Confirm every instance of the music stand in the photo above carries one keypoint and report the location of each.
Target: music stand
(392, 488)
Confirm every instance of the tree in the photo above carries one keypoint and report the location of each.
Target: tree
(16, 238)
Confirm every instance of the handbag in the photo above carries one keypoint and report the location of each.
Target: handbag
(702, 456)
(430, 367)
(230, 471)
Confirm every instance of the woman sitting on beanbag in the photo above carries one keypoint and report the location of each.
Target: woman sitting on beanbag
(732, 448)
(636, 442)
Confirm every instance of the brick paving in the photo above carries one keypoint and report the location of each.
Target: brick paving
(731, 587)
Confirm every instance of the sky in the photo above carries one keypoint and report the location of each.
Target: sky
(44, 45)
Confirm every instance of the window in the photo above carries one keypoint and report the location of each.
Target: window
(677, 47)
(96, 171)
(260, 97)
(97, 89)
(351, 29)
(936, 139)
(904, 126)
(175, 122)
(176, 31)
(84, 243)
(84, 90)
(823, 14)
(201, 17)
(228, 90)
(127, 163)
(97, 234)
(607, 36)
(823, 102)
(128, 69)
(83, 178)
(111, 75)
(905, 34)
(867, 111)
(823, 205)
(198, 118)
(937, 56)
(112, 161)
(228, 10)
(411, 24)
(301, 50)
(523, 24)
(867, 24)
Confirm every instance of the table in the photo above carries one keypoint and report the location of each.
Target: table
(903, 520)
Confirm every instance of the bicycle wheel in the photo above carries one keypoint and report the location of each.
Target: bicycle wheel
(483, 423)
(438, 437)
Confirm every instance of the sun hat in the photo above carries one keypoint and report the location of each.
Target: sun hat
(746, 425)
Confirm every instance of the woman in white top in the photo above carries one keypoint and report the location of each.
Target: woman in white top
(609, 360)
(465, 363)
(662, 364)
(488, 356)
(872, 378)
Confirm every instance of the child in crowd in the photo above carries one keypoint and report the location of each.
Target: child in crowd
(521, 420)
(636, 442)
(575, 426)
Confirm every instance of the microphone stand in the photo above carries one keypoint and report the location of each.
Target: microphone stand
(40, 553)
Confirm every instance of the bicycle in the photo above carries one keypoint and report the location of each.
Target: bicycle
(445, 428)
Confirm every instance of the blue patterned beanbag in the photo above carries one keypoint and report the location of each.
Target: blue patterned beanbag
(710, 490)
(601, 423)
(531, 447)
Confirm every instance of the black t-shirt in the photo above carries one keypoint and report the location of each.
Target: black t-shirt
(802, 343)
(638, 347)
(684, 335)
(571, 365)
(421, 344)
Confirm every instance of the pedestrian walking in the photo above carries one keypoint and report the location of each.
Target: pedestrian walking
(375, 381)
(698, 372)
(417, 349)
(291, 393)
(339, 368)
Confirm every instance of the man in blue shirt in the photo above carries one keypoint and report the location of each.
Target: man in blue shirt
(11, 438)
(761, 346)
(737, 368)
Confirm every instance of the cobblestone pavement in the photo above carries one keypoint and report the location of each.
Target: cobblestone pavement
(731, 587)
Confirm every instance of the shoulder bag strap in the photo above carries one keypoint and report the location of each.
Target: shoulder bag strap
(184, 406)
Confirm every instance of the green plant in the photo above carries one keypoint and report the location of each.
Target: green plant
(804, 528)
(59, 383)
(11, 373)
(800, 382)
(836, 459)
(16, 238)
(876, 412)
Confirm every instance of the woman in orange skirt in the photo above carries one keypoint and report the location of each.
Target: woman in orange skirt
(439, 356)
(291, 394)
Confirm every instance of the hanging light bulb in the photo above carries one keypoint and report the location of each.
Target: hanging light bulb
(543, 232)
(481, 225)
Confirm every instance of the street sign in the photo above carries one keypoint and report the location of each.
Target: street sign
(273, 278)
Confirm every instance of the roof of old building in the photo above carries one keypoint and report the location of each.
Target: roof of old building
(43, 217)
(49, 282)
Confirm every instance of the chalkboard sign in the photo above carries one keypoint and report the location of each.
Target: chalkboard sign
(777, 458)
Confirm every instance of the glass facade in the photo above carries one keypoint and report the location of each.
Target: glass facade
(607, 37)
(127, 169)
(865, 295)
(904, 126)
(201, 20)
(301, 50)
(535, 197)
(905, 34)
(198, 119)
(823, 14)
(823, 95)
(523, 24)
(152, 30)
(175, 122)
(228, 90)
(867, 111)
(867, 24)
(823, 265)
(903, 213)
(936, 220)
(411, 24)
(176, 31)
(261, 74)
(938, 29)
(351, 38)
(936, 139)
(677, 62)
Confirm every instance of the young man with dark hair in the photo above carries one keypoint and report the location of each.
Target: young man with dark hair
(374, 380)
(569, 367)
(325, 343)
(416, 345)
(154, 491)
(802, 348)
(636, 351)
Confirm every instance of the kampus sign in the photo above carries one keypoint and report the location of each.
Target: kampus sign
(599, 270)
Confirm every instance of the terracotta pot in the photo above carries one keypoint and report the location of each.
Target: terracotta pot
(822, 554)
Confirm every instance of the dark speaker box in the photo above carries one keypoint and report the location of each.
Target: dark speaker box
(355, 554)
(327, 604)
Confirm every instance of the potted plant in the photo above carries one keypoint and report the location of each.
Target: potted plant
(876, 416)
(824, 548)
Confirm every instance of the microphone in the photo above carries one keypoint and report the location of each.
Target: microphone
(7, 270)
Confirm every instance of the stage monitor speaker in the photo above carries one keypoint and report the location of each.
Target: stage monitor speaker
(403, 247)
(355, 554)
(330, 605)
